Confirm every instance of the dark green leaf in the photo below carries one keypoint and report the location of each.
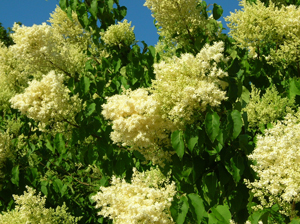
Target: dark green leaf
(15, 175)
(58, 185)
(49, 146)
(237, 167)
(217, 11)
(90, 109)
(177, 143)
(212, 125)
(237, 123)
(192, 142)
(59, 143)
(85, 84)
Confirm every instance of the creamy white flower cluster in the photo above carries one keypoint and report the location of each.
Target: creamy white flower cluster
(176, 17)
(185, 86)
(40, 49)
(58, 46)
(262, 110)
(47, 100)
(147, 199)
(137, 122)
(277, 156)
(119, 34)
(31, 209)
(256, 26)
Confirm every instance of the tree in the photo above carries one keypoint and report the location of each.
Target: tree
(201, 128)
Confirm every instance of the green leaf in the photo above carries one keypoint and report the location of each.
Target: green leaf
(58, 185)
(294, 88)
(94, 8)
(85, 84)
(59, 143)
(49, 146)
(192, 142)
(237, 123)
(183, 209)
(63, 4)
(295, 221)
(152, 51)
(197, 207)
(110, 4)
(217, 11)
(44, 189)
(117, 65)
(15, 175)
(177, 143)
(237, 167)
(220, 214)
(245, 95)
(212, 125)
(123, 11)
(90, 109)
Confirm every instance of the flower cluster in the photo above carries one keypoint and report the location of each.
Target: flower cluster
(47, 100)
(57, 47)
(30, 209)
(137, 122)
(119, 34)
(147, 199)
(277, 156)
(257, 26)
(185, 86)
(14, 75)
(176, 17)
(268, 108)
(182, 90)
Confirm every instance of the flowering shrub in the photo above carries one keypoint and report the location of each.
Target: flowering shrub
(82, 104)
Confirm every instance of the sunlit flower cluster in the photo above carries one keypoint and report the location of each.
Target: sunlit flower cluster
(277, 165)
(182, 90)
(40, 49)
(119, 34)
(185, 86)
(265, 109)
(58, 46)
(176, 17)
(14, 75)
(257, 26)
(137, 122)
(47, 100)
(31, 209)
(147, 199)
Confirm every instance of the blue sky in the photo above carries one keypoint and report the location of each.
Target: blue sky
(31, 12)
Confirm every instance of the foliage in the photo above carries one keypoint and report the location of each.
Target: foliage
(202, 128)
